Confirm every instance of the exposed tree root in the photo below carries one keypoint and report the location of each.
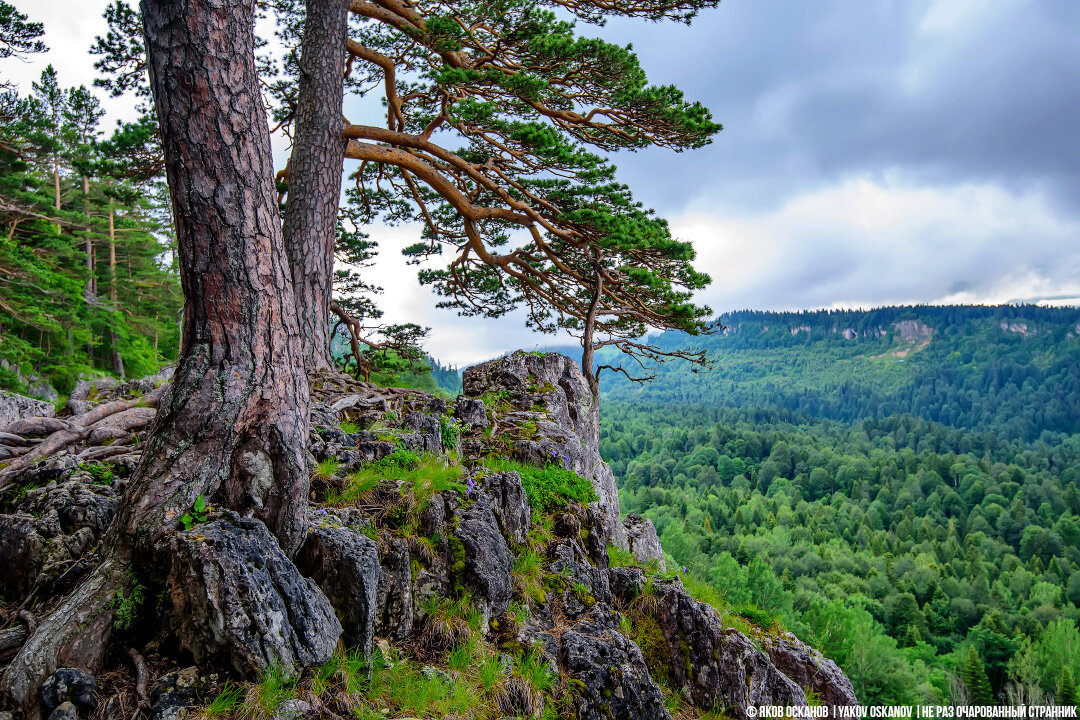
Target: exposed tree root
(73, 635)
(141, 676)
(106, 421)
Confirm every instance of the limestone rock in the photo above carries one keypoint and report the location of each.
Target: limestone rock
(22, 549)
(626, 583)
(236, 596)
(394, 599)
(71, 686)
(345, 564)
(587, 584)
(608, 675)
(176, 692)
(810, 669)
(425, 436)
(16, 407)
(35, 553)
(715, 665)
(292, 709)
(471, 412)
(509, 503)
(487, 559)
(567, 424)
(77, 503)
(644, 542)
(64, 711)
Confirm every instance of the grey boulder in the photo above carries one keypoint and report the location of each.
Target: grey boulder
(237, 597)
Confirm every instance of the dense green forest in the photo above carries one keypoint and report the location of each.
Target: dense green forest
(87, 282)
(897, 486)
(1013, 370)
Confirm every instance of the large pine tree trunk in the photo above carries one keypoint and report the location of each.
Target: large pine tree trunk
(234, 425)
(315, 168)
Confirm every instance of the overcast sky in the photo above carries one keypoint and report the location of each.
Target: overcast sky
(873, 152)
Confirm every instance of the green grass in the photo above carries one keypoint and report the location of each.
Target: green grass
(230, 698)
(350, 427)
(102, 473)
(404, 689)
(423, 476)
(265, 696)
(327, 468)
(618, 557)
(533, 669)
(349, 670)
(549, 488)
(528, 575)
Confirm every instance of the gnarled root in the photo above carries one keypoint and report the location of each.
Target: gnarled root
(74, 635)
(129, 415)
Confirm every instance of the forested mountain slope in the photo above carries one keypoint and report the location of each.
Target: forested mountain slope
(897, 486)
(1013, 369)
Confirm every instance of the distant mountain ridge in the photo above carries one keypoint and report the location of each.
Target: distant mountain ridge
(1010, 369)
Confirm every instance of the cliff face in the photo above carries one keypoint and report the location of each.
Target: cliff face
(545, 411)
(470, 552)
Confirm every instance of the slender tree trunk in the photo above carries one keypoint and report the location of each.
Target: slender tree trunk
(311, 208)
(118, 360)
(56, 188)
(234, 425)
(588, 343)
(88, 248)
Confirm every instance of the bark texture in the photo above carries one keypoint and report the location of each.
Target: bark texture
(311, 208)
(234, 425)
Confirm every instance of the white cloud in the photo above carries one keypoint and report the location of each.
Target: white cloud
(871, 241)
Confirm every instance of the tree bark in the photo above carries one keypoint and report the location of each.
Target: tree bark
(315, 168)
(588, 344)
(234, 425)
(118, 359)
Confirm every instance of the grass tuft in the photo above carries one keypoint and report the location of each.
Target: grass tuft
(549, 488)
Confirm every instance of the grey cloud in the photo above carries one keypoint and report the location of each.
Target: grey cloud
(814, 92)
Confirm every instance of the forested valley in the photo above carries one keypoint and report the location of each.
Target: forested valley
(897, 486)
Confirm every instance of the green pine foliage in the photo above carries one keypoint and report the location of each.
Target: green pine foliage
(87, 282)
(1066, 689)
(975, 680)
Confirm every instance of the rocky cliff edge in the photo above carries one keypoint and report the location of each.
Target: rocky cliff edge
(465, 559)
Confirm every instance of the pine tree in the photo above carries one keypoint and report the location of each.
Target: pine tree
(1066, 691)
(18, 37)
(975, 680)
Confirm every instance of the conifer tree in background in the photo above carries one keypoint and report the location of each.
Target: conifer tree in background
(975, 680)
(18, 36)
(1066, 689)
(86, 277)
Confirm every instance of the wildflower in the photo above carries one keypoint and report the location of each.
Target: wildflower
(554, 453)
(471, 487)
(565, 459)
(320, 511)
(684, 570)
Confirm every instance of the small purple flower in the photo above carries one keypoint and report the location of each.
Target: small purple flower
(565, 459)
(554, 453)
(471, 487)
(320, 511)
(684, 570)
